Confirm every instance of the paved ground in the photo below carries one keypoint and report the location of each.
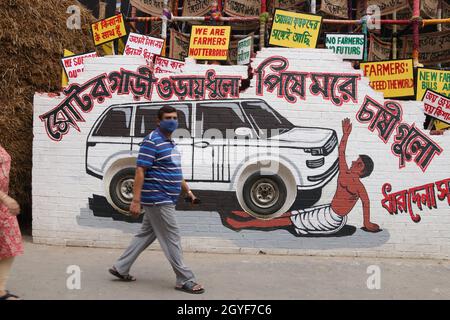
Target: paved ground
(41, 274)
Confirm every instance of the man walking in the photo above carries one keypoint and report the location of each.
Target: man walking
(157, 185)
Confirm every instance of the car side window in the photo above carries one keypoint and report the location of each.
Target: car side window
(220, 116)
(116, 123)
(147, 118)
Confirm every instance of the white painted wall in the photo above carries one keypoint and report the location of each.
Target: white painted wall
(61, 187)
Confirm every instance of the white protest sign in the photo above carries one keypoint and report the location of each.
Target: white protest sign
(74, 65)
(166, 65)
(349, 46)
(244, 50)
(436, 105)
(141, 45)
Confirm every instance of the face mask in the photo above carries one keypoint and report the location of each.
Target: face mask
(169, 125)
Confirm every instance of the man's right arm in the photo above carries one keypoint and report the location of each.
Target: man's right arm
(146, 157)
(138, 183)
(346, 130)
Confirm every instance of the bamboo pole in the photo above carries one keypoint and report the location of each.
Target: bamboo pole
(133, 15)
(313, 6)
(101, 16)
(253, 19)
(164, 18)
(394, 39)
(118, 6)
(427, 22)
(263, 6)
(262, 32)
(416, 19)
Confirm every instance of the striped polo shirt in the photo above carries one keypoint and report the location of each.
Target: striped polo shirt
(161, 159)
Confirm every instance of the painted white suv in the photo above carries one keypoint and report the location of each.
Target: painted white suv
(242, 145)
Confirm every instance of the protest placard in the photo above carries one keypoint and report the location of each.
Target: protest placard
(436, 106)
(403, 14)
(445, 13)
(232, 52)
(141, 45)
(64, 79)
(434, 47)
(166, 65)
(74, 64)
(196, 8)
(394, 78)
(436, 80)
(209, 42)
(108, 29)
(335, 8)
(244, 50)
(385, 6)
(287, 4)
(152, 7)
(349, 46)
(429, 8)
(242, 8)
(179, 45)
(379, 50)
(295, 30)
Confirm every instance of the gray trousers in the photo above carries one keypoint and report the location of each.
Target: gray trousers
(158, 223)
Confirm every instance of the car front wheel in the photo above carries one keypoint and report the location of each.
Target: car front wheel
(121, 188)
(264, 194)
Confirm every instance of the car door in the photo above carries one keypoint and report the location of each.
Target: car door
(215, 123)
(110, 136)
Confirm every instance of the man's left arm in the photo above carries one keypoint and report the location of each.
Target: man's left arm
(187, 190)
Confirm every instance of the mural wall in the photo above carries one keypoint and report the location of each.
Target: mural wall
(306, 160)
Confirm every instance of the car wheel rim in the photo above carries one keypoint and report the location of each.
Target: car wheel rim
(264, 193)
(125, 190)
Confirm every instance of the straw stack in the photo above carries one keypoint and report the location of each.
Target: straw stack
(33, 35)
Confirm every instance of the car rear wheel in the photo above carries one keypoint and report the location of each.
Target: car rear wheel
(121, 189)
(264, 195)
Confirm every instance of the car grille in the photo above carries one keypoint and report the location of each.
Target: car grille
(316, 163)
(329, 146)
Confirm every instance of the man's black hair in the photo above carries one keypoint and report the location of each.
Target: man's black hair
(165, 109)
(368, 165)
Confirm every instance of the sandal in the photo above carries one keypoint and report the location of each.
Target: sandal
(123, 277)
(9, 295)
(189, 288)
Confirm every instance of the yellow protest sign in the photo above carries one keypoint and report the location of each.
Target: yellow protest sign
(209, 42)
(440, 125)
(64, 79)
(395, 78)
(108, 29)
(436, 80)
(295, 30)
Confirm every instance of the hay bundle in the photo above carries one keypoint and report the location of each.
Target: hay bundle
(33, 35)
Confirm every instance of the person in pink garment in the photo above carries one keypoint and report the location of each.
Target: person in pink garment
(10, 236)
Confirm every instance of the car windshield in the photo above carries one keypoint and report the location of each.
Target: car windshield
(221, 116)
(267, 121)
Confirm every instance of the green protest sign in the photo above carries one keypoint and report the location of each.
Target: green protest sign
(348, 46)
